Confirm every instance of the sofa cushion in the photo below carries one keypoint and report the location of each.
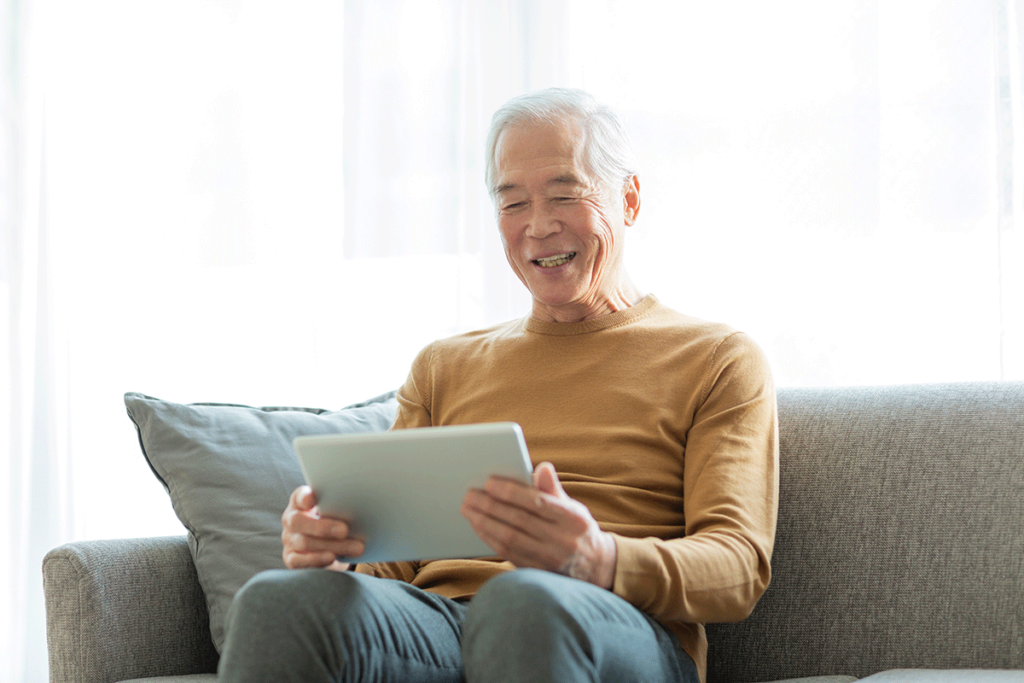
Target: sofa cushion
(946, 676)
(229, 470)
(899, 543)
(819, 679)
(194, 678)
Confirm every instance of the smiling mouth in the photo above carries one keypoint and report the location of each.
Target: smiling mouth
(554, 261)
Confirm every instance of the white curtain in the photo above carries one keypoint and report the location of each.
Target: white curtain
(34, 451)
(207, 200)
(1009, 178)
(826, 175)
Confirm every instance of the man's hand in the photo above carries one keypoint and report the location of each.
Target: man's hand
(310, 540)
(541, 527)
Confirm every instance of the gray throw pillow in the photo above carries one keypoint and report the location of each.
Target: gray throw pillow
(229, 470)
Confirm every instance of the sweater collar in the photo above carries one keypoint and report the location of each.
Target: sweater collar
(604, 322)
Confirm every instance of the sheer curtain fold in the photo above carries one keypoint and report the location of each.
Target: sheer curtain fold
(1008, 59)
(35, 483)
(421, 80)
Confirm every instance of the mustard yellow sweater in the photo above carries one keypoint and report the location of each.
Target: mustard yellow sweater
(663, 425)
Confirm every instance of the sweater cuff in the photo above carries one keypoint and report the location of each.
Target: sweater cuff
(635, 569)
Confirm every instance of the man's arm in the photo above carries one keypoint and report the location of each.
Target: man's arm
(720, 568)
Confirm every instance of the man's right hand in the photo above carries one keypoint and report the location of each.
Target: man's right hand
(310, 540)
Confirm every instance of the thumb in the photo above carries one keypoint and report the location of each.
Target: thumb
(304, 498)
(546, 479)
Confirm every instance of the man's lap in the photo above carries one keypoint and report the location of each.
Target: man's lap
(365, 628)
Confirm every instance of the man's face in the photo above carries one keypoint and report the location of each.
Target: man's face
(561, 229)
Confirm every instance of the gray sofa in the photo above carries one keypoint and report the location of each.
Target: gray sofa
(899, 556)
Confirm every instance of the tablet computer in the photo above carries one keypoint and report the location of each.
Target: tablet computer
(401, 491)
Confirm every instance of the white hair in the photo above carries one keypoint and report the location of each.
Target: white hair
(607, 155)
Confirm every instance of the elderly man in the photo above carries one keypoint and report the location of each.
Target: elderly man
(654, 436)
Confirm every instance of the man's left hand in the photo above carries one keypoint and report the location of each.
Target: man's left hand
(541, 527)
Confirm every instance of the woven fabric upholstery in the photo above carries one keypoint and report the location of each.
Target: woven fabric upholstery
(819, 679)
(193, 678)
(900, 546)
(117, 610)
(900, 540)
(950, 676)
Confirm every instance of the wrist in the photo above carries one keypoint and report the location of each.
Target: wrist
(605, 568)
(595, 563)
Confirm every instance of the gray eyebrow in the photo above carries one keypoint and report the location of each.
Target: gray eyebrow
(564, 179)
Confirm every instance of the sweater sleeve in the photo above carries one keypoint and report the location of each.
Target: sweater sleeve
(720, 568)
(414, 397)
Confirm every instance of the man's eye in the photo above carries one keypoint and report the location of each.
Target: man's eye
(515, 205)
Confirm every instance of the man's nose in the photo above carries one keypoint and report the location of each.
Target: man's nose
(541, 223)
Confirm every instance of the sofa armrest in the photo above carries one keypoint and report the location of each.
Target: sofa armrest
(123, 609)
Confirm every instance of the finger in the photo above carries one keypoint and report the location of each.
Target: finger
(526, 520)
(535, 514)
(305, 543)
(319, 527)
(303, 498)
(294, 559)
(298, 550)
(517, 547)
(505, 484)
(557, 525)
(514, 492)
(307, 560)
(546, 506)
(545, 478)
(309, 522)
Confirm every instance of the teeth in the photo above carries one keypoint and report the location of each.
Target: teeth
(552, 261)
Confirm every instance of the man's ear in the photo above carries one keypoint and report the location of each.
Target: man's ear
(631, 200)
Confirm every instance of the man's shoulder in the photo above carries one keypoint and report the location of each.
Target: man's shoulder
(713, 345)
(666, 320)
(693, 339)
(482, 338)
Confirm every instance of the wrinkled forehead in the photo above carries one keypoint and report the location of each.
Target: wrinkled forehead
(529, 147)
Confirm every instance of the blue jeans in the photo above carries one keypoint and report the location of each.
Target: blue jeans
(525, 625)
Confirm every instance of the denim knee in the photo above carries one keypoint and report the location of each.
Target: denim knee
(528, 598)
(259, 596)
(521, 627)
(290, 604)
(518, 609)
(279, 626)
(269, 592)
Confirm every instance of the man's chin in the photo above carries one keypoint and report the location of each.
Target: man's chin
(555, 300)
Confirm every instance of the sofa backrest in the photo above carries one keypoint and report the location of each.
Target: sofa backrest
(900, 540)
